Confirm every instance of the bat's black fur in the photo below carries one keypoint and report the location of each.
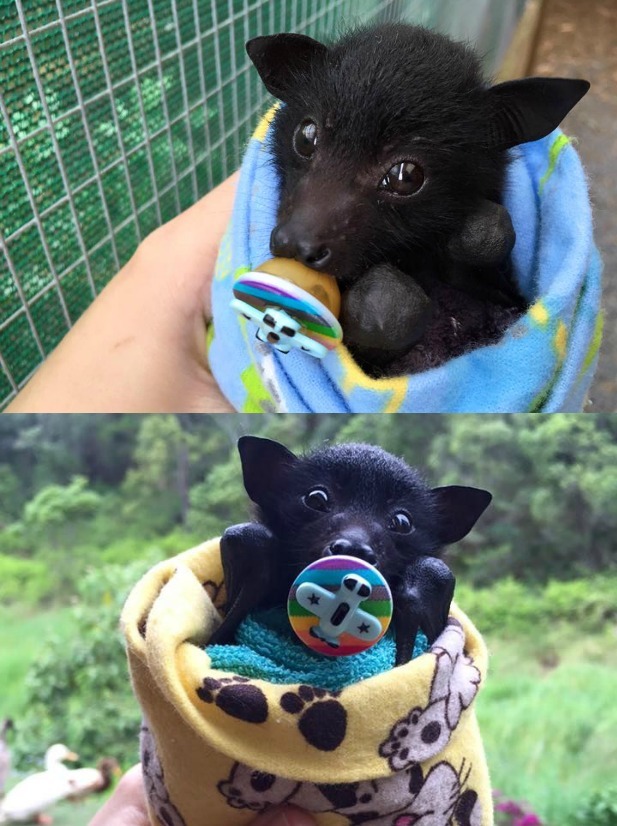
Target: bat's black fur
(365, 488)
(380, 96)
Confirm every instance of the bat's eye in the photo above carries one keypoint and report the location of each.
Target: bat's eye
(400, 523)
(317, 499)
(404, 179)
(305, 138)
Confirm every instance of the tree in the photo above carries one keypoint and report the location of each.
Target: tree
(10, 496)
(219, 501)
(57, 512)
(402, 435)
(554, 481)
(156, 487)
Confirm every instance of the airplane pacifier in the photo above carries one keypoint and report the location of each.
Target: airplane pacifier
(293, 306)
(340, 605)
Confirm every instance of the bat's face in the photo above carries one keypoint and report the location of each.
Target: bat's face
(354, 500)
(388, 139)
(378, 153)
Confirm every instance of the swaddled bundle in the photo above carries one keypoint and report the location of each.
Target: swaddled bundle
(400, 746)
(544, 363)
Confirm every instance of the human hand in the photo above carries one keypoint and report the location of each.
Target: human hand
(141, 345)
(127, 807)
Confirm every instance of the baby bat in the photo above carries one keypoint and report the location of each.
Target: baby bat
(391, 151)
(350, 499)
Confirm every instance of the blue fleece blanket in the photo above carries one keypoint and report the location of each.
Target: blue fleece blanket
(544, 363)
(266, 648)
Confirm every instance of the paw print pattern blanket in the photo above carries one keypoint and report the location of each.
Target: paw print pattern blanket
(397, 749)
(544, 363)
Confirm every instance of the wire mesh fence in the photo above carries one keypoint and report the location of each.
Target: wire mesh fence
(115, 116)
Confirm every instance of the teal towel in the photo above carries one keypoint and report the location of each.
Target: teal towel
(267, 649)
(544, 363)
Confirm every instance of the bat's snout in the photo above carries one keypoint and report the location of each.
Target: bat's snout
(324, 222)
(353, 545)
(286, 242)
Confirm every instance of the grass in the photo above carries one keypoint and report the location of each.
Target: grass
(75, 814)
(549, 718)
(22, 633)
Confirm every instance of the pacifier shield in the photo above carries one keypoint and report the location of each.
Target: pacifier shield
(257, 292)
(340, 605)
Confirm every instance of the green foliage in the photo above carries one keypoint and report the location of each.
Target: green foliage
(155, 489)
(126, 551)
(510, 607)
(9, 495)
(155, 455)
(219, 501)
(22, 580)
(58, 511)
(552, 477)
(304, 431)
(14, 541)
(50, 449)
(55, 523)
(598, 810)
(77, 691)
(403, 435)
(554, 480)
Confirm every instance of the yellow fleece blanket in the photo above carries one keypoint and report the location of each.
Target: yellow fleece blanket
(396, 749)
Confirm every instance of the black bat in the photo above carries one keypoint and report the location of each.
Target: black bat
(391, 150)
(350, 499)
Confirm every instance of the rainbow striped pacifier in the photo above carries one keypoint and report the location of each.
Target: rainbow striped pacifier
(292, 305)
(340, 605)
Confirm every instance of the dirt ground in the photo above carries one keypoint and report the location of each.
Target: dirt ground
(578, 38)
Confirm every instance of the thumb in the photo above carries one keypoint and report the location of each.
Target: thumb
(284, 816)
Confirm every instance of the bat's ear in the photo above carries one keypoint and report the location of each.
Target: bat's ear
(529, 109)
(264, 462)
(458, 509)
(281, 59)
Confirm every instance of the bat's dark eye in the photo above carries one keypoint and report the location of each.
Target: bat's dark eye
(400, 523)
(317, 499)
(404, 179)
(305, 138)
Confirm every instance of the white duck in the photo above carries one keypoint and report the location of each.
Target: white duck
(28, 800)
(89, 781)
(5, 754)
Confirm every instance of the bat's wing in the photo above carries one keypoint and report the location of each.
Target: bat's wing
(249, 555)
(422, 602)
(315, 599)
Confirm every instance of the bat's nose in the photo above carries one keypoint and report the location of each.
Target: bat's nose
(353, 547)
(313, 254)
(288, 241)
